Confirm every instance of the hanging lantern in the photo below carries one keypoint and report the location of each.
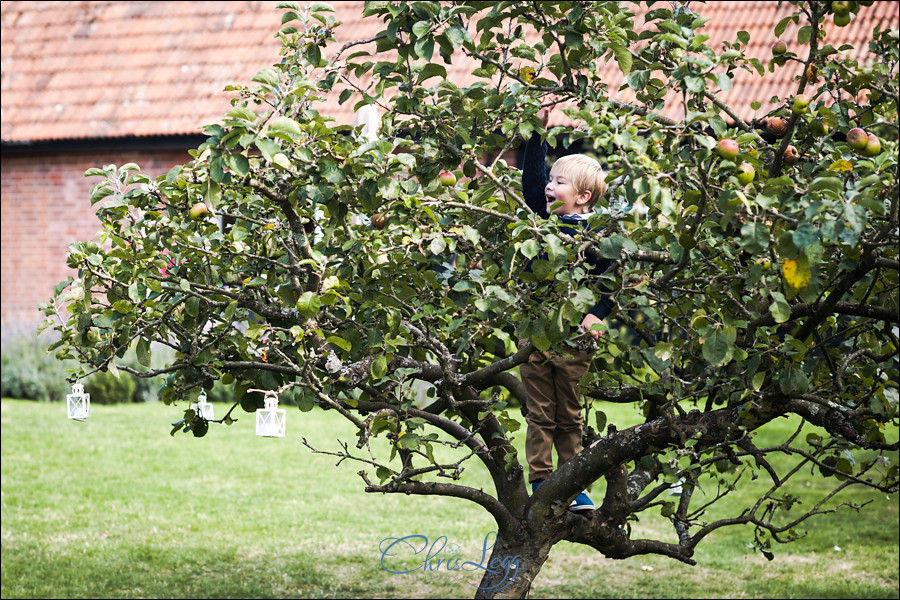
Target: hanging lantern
(270, 420)
(203, 408)
(78, 403)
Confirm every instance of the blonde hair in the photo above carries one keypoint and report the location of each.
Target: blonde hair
(585, 174)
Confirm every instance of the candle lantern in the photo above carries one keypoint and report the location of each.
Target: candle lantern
(203, 408)
(270, 420)
(78, 403)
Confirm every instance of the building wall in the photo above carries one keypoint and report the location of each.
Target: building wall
(45, 207)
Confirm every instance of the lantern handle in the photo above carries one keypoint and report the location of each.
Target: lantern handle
(271, 398)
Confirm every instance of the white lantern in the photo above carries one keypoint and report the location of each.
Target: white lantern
(203, 408)
(78, 403)
(270, 420)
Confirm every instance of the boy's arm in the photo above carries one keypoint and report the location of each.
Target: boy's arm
(605, 304)
(534, 175)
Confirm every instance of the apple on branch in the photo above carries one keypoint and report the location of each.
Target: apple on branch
(379, 220)
(746, 173)
(777, 126)
(198, 211)
(728, 148)
(873, 146)
(857, 138)
(800, 104)
(791, 157)
(448, 178)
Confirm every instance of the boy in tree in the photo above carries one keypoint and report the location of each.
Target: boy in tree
(573, 187)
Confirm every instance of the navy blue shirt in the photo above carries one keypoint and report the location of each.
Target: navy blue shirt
(534, 180)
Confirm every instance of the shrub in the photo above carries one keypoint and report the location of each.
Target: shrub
(29, 372)
(106, 388)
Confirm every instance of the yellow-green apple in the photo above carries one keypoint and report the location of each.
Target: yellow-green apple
(746, 173)
(198, 211)
(840, 7)
(873, 146)
(800, 104)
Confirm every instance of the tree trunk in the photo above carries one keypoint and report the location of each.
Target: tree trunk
(511, 568)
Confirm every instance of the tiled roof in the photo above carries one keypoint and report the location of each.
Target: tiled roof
(111, 69)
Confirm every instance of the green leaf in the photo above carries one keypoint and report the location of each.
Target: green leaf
(793, 381)
(267, 76)
(383, 474)
(281, 160)
(755, 237)
(600, 419)
(530, 248)
(780, 308)
(717, 347)
(782, 25)
(268, 148)
(228, 315)
(623, 56)
(284, 126)
(309, 304)
(340, 342)
(409, 441)
(432, 70)
(758, 380)
(805, 235)
(379, 366)
(142, 349)
(827, 183)
(239, 164)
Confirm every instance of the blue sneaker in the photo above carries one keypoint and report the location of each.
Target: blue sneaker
(581, 502)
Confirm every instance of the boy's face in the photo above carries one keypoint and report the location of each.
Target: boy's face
(560, 189)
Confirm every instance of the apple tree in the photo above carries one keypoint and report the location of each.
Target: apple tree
(295, 254)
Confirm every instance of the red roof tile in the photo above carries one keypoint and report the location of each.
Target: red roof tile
(89, 69)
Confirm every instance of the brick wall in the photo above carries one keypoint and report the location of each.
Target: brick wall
(46, 206)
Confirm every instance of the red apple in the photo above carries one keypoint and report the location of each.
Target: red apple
(857, 138)
(448, 178)
(728, 148)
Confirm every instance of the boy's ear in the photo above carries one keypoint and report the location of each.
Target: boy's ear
(583, 198)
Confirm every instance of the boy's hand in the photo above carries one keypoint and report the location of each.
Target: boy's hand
(589, 321)
(544, 112)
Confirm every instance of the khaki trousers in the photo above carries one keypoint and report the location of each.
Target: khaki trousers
(554, 408)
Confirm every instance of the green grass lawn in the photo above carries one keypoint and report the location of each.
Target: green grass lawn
(116, 508)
